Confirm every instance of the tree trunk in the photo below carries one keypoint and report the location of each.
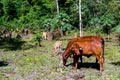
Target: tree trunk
(57, 5)
(80, 21)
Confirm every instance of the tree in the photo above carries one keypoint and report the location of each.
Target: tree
(28, 13)
(80, 21)
(57, 5)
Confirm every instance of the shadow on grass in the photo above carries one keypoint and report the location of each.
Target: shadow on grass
(116, 63)
(28, 46)
(3, 63)
(86, 65)
(12, 44)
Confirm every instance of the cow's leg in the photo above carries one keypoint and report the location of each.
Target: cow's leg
(96, 60)
(75, 62)
(81, 59)
(81, 51)
(100, 59)
(101, 63)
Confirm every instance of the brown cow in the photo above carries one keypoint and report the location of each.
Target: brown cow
(93, 38)
(88, 48)
(58, 47)
(86, 39)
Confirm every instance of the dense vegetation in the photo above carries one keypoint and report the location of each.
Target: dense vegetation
(102, 15)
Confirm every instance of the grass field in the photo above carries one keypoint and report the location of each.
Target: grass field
(22, 60)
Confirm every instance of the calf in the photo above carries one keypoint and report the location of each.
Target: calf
(44, 35)
(58, 47)
(88, 40)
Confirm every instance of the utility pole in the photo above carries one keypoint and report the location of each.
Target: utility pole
(57, 6)
(80, 21)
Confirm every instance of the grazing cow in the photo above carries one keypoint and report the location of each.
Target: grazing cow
(58, 47)
(44, 35)
(91, 41)
(88, 48)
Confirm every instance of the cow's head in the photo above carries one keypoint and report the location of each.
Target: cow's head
(66, 54)
(64, 61)
(71, 50)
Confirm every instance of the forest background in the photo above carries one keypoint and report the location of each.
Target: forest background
(100, 16)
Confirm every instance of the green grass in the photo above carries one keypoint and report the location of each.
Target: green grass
(30, 62)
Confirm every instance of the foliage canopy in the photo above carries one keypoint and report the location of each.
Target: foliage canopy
(19, 14)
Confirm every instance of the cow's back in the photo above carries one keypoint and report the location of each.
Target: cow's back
(84, 38)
